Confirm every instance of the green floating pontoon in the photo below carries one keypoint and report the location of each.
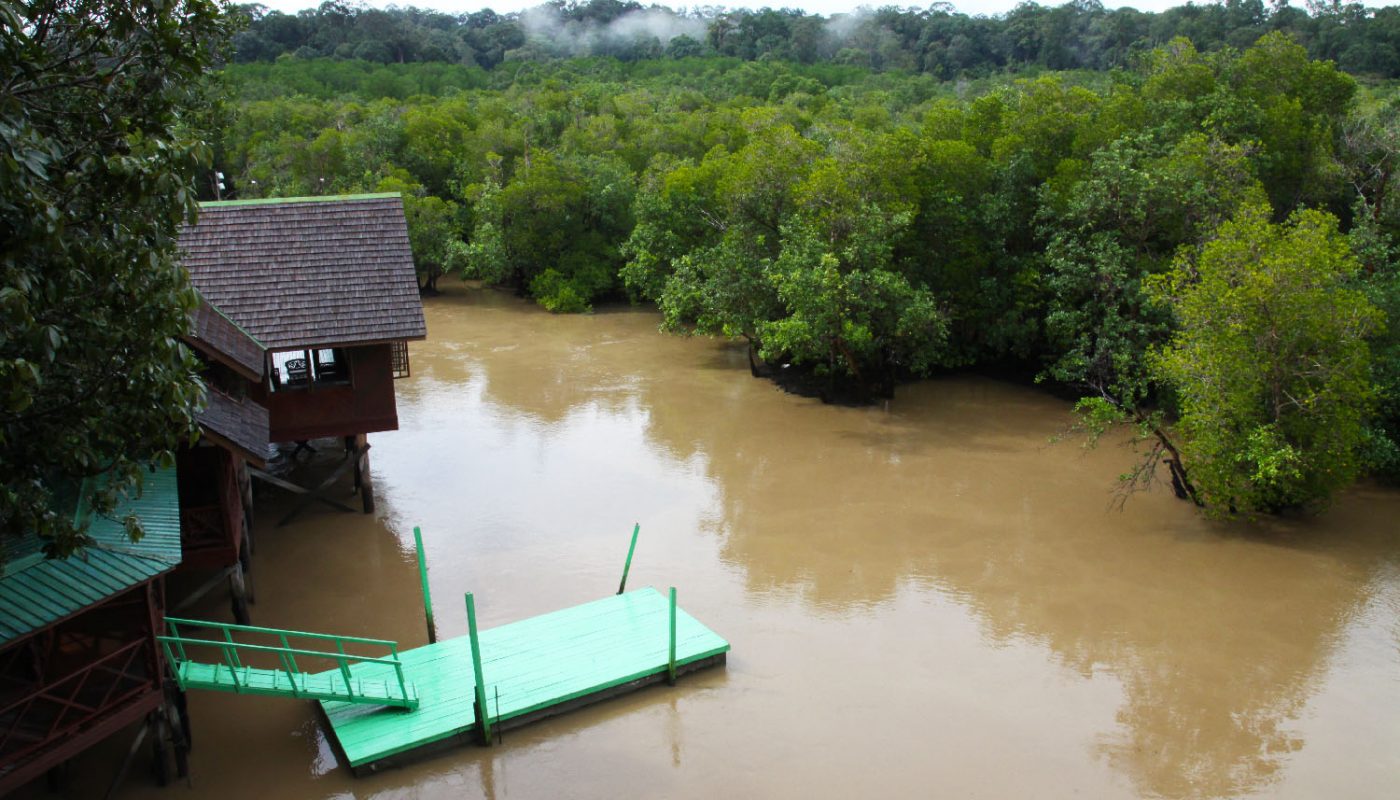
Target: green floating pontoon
(534, 668)
(388, 708)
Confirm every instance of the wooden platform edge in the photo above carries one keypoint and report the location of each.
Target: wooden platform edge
(469, 736)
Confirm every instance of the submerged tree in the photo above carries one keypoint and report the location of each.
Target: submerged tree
(847, 314)
(1270, 365)
(554, 230)
(97, 109)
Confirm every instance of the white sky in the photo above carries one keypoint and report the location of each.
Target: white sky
(825, 7)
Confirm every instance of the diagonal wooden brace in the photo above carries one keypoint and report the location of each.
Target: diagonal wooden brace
(316, 494)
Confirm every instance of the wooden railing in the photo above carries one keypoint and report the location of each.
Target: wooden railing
(55, 709)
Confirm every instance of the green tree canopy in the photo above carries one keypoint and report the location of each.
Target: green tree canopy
(1269, 365)
(99, 105)
(857, 226)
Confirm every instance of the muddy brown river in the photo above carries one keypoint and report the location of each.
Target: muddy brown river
(925, 599)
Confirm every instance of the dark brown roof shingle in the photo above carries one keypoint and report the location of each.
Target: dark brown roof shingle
(218, 337)
(239, 424)
(308, 272)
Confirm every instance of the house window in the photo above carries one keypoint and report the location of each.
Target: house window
(301, 369)
(398, 359)
(329, 366)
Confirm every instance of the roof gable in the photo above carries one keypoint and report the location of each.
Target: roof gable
(220, 338)
(308, 272)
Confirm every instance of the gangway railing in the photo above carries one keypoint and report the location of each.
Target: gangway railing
(374, 680)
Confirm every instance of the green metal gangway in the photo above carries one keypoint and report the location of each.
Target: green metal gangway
(230, 673)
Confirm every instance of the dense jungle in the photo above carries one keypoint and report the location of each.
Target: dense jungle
(1196, 238)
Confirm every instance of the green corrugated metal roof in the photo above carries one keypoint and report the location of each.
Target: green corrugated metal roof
(37, 592)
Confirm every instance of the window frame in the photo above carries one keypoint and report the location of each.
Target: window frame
(320, 372)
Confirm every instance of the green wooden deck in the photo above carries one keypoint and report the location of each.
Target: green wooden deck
(536, 667)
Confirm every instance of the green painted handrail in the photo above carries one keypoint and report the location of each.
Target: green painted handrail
(285, 653)
(278, 631)
(274, 650)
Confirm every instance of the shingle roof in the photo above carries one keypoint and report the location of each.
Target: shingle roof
(308, 271)
(241, 424)
(220, 338)
(36, 592)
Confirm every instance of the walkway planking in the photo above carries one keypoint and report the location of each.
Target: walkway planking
(281, 683)
(533, 668)
(388, 688)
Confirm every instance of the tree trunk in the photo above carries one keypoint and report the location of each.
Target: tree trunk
(1181, 483)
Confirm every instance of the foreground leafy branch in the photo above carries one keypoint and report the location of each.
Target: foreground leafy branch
(98, 105)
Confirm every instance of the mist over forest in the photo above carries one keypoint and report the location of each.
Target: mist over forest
(937, 40)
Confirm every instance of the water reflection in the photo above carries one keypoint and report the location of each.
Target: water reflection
(1218, 637)
(923, 598)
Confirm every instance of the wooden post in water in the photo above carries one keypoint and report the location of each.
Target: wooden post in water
(671, 669)
(423, 576)
(483, 719)
(622, 587)
(364, 481)
(238, 592)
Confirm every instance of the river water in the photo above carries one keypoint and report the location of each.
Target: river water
(926, 598)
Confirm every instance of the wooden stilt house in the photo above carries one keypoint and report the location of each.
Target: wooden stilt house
(327, 285)
(215, 487)
(78, 653)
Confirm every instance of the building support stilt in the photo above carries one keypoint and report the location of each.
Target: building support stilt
(239, 590)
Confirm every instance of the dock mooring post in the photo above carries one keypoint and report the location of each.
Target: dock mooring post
(423, 576)
(483, 718)
(622, 587)
(671, 668)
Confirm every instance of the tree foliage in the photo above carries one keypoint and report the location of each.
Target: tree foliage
(936, 40)
(1269, 365)
(554, 230)
(432, 226)
(858, 226)
(99, 107)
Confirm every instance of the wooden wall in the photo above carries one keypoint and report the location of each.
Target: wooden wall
(366, 405)
(71, 685)
(211, 508)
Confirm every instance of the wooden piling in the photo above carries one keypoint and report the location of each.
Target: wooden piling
(671, 662)
(423, 577)
(245, 560)
(160, 752)
(483, 718)
(366, 481)
(239, 592)
(622, 587)
(245, 491)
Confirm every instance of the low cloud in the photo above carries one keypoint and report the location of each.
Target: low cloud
(573, 37)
